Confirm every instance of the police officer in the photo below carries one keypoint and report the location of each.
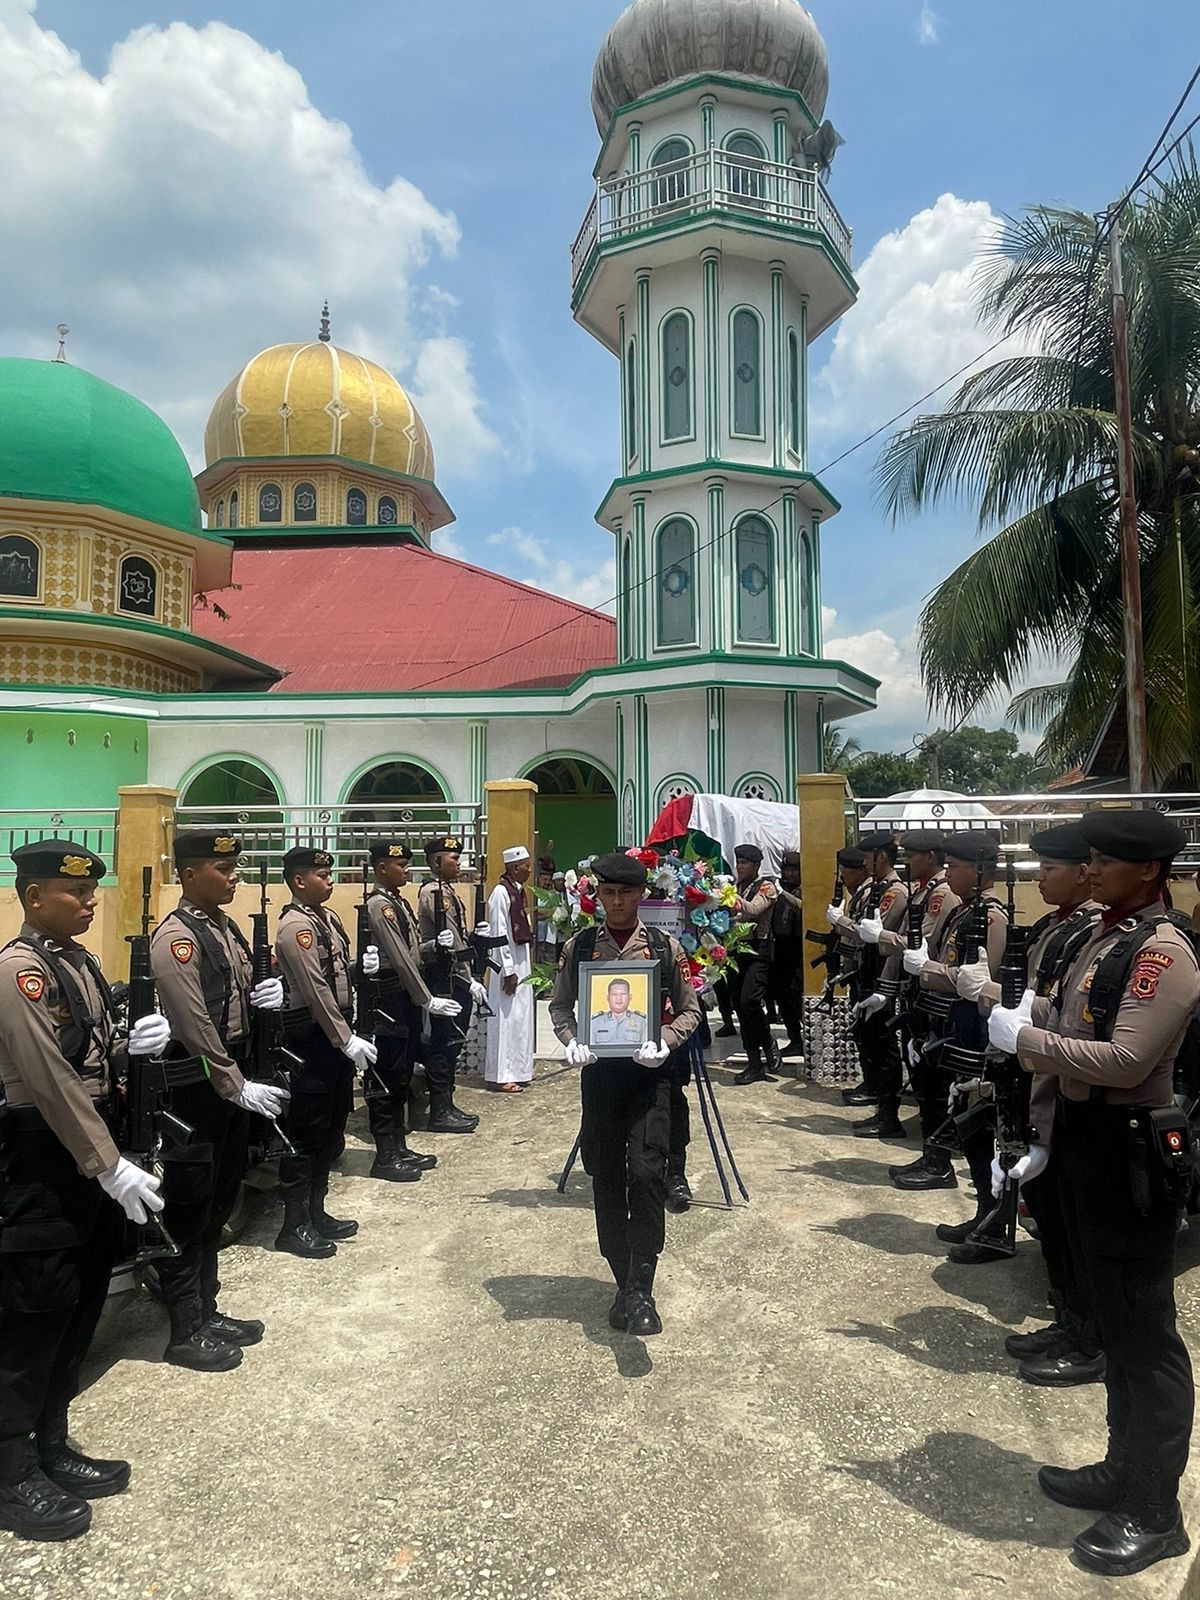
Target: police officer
(446, 967)
(755, 904)
(844, 949)
(626, 1113)
(1109, 1036)
(203, 972)
(313, 951)
(787, 953)
(879, 978)
(63, 1186)
(404, 998)
(619, 1025)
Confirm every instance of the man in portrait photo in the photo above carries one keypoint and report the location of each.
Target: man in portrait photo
(619, 1024)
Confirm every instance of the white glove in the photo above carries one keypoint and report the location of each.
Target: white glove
(445, 940)
(482, 930)
(1005, 1024)
(915, 961)
(1029, 1166)
(149, 1035)
(962, 1087)
(969, 980)
(370, 961)
(135, 1191)
(578, 1055)
(264, 1099)
(444, 1008)
(869, 929)
(869, 1006)
(361, 1051)
(835, 918)
(478, 992)
(651, 1054)
(267, 995)
(914, 1053)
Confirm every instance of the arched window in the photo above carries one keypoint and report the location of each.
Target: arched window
(807, 642)
(675, 582)
(233, 509)
(747, 374)
(746, 178)
(755, 581)
(757, 786)
(672, 166)
(231, 781)
(627, 600)
(356, 509)
(631, 436)
(387, 510)
(304, 503)
(795, 398)
(20, 567)
(675, 787)
(220, 513)
(270, 503)
(139, 587)
(677, 377)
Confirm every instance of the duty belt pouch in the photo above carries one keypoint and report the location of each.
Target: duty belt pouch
(1171, 1154)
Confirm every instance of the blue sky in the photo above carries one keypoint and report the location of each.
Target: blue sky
(228, 202)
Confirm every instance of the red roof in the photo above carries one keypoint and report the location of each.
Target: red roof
(402, 618)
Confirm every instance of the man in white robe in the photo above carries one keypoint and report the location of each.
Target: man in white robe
(510, 1033)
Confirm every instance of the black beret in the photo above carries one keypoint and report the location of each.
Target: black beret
(616, 867)
(444, 844)
(851, 856)
(924, 839)
(57, 858)
(1064, 843)
(748, 852)
(790, 858)
(304, 858)
(878, 840)
(390, 850)
(205, 844)
(1133, 835)
(974, 846)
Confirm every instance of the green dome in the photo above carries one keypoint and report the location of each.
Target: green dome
(66, 435)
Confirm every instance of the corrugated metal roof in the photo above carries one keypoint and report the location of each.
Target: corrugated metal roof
(401, 618)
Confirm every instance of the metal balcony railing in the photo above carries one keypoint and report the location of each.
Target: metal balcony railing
(715, 181)
(94, 829)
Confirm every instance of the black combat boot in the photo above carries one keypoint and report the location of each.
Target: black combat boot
(298, 1236)
(1063, 1366)
(771, 1061)
(1022, 1345)
(726, 1031)
(1094, 1488)
(390, 1165)
(933, 1171)
(679, 1191)
(32, 1505)
(642, 1313)
(1145, 1526)
(235, 1330)
(885, 1124)
(859, 1095)
(422, 1163)
(445, 1117)
(77, 1474)
(328, 1227)
(192, 1345)
(618, 1314)
(959, 1232)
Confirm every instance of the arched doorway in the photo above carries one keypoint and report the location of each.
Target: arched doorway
(576, 808)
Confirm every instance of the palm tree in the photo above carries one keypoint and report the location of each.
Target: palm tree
(840, 749)
(1033, 440)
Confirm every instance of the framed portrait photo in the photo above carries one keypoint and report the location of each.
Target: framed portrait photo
(620, 1006)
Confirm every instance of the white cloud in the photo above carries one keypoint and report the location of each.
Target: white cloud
(901, 699)
(915, 322)
(191, 206)
(526, 557)
(927, 25)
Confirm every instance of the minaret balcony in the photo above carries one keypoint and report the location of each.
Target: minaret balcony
(659, 212)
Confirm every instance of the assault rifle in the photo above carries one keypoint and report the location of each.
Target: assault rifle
(914, 934)
(482, 945)
(368, 1013)
(829, 945)
(268, 1051)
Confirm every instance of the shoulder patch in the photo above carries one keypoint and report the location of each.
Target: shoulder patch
(886, 904)
(183, 950)
(304, 938)
(388, 914)
(32, 983)
(1147, 971)
(935, 903)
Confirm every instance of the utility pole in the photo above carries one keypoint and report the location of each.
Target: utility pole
(1131, 569)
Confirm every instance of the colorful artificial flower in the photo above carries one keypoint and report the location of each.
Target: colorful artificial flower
(695, 897)
(699, 918)
(587, 905)
(728, 896)
(719, 921)
(719, 953)
(688, 941)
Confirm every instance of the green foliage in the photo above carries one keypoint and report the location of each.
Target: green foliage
(970, 760)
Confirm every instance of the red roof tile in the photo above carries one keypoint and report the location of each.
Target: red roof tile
(401, 618)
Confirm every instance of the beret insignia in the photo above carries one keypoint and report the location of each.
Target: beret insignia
(395, 850)
(32, 983)
(182, 950)
(224, 846)
(452, 844)
(76, 867)
(304, 938)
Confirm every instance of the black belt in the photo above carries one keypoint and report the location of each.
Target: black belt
(179, 1074)
(301, 1016)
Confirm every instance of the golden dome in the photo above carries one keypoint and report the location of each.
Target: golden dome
(317, 400)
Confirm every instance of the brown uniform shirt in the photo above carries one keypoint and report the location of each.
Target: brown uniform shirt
(892, 912)
(685, 1003)
(938, 974)
(939, 903)
(759, 909)
(394, 930)
(455, 919)
(33, 1069)
(308, 942)
(1134, 1067)
(179, 964)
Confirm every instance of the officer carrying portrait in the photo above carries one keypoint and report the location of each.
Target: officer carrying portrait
(620, 1005)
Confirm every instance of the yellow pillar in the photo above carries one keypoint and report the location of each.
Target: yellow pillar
(510, 814)
(822, 799)
(145, 826)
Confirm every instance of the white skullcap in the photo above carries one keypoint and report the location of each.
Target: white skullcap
(517, 853)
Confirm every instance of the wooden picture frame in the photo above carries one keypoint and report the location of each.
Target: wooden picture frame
(619, 1006)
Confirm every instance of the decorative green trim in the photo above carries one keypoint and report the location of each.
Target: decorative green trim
(669, 138)
(764, 778)
(793, 426)
(702, 80)
(745, 133)
(773, 643)
(601, 767)
(778, 420)
(255, 760)
(789, 574)
(791, 708)
(641, 793)
(664, 378)
(668, 782)
(643, 315)
(714, 707)
(782, 130)
(804, 382)
(718, 565)
(814, 593)
(98, 619)
(382, 760)
(819, 763)
(635, 147)
(639, 607)
(318, 533)
(728, 469)
(477, 770)
(622, 773)
(806, 569)
(624, 366)
(734, 313)
(656, 570)
(314, 751)
(708, 121)
(712, 337)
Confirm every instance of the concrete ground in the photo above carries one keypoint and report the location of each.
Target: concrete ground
(442, 1412)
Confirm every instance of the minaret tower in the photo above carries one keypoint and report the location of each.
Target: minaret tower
(709, 260)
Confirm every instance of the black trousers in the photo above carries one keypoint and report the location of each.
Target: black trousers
(724, 998)
(60, 1239)
(879, 1053)
(1127, 1259)
(447, 1035)
(1068, 1291)
(678, 1073)
(786, 985)
(322, 1097)
(750, 982)
(623, 1143)
(200, 1185)
(387, 1113)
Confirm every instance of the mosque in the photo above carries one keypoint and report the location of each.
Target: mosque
(208, 634)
